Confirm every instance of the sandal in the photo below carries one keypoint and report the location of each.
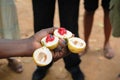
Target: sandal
(15, 65)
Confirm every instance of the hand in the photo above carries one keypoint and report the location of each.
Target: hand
(40, 34)
(61, 51)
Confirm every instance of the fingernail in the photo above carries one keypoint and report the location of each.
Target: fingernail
(64, 42)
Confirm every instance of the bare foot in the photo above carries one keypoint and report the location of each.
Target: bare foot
(108, 52)
(15, 65)
(118, 78)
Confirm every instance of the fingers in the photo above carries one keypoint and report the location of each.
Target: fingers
(61, 51)
(62, 42)
(57, 53)
(42, 33)
(50, 30)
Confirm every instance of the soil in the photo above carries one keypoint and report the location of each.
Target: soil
(94, 65)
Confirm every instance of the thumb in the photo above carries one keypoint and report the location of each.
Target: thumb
(50, 30)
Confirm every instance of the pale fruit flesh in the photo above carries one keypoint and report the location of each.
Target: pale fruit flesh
(76, 45)
(42, 56)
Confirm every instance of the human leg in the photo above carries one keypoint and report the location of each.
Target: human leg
(68, 10)
(40, 72)
(72, 62)
(90, 7)
(43, 11)
(43, 14)
(88, 23)
(108, 52)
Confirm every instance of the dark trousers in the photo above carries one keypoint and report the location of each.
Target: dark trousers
(43, 11)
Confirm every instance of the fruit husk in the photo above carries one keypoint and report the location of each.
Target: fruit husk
(75, 49)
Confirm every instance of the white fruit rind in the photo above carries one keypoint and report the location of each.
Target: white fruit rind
(45, 60)
(51, 43)
(65, 36)
(80, 43)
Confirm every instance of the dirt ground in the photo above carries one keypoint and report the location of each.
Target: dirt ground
(94, 65)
